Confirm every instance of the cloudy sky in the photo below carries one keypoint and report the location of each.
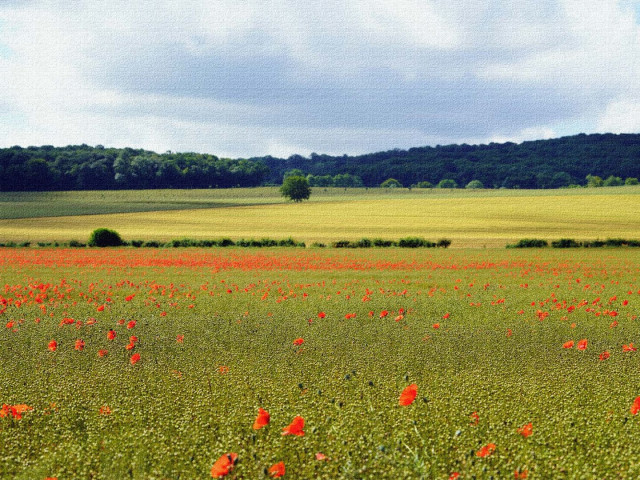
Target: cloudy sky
(247, 78)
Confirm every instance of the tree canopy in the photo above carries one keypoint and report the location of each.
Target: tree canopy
(296, 188)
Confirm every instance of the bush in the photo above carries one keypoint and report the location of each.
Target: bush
(391, 183)
(341, 244)
(137, 243)
(566, 243)
(443, 243)
(151, 244)
(318, 245)
(103, 237)
(76, 244)
(530, 243)
(379, 242)
(415, 242)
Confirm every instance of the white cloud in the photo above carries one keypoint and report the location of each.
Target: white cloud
(621, 116)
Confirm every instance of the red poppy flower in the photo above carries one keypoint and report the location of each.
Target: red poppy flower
(135, 358)
(79, 345)
(104, 410)
(322, 315)
(446, 315)
(277, 470)
(131, 324)
(436, 325)
(520, 474)
(408, 395)
(224, 465)
(582, 344)
(321, 456)
(568, 344)
(295, 427)
(180, 338)
(384, 313)
(486, 450)
(102, 353)
(475, 418)
(604, 355)
(298, 341)
(262, 419)
(526, 430)
(128, 298)
(53, 345)
(629, 348)
(130, 346)
(635, 408)
(454, 476)
(111, 334)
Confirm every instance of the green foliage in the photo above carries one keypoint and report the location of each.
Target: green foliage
(565, 243)
(612, 181)
(296, 188)
(391, 183)
(631, 181)
(447, 183)
(415, 242)
(594, 181)
(530, 243)
(423, 184)
(104, 237)
(474, 184)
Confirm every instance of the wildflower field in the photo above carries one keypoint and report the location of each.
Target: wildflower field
(249, 364)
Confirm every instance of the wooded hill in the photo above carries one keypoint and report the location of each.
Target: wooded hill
(551, 163)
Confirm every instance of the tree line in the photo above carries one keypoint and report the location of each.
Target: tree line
(607, 159)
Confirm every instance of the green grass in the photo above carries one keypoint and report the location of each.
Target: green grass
(174, 413)
(490, 218)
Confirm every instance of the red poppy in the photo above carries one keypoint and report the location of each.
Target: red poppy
(436, 325)
(321, 456)
(322, 315)
(629, 348)
(604, 355)
(131, 324)
(180, 338)
(446, 315)
(486, 450)
(475, 418)
(224, 465)
(295, 427)
(298, 341)
(408, 395)
(277, 470)
(79, 345)
(635, 408)
(384, 313)
(128, 298)
(568, 344)
(526, 430)
(509, 332)
(111, 334)
(135, 358)
(53, 345)
(102, 353)
(133, 339)
(262, 419)
(104, 410)
(130, 346)
(520, 474)
(582, 344)
(454, 476)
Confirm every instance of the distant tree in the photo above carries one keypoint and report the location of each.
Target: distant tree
(296, 188)
(447, 183)
(423, 184)
(474, 184)
(631, 181)
(391, 183)
(594, 181)
(612, 181)
(294, 172)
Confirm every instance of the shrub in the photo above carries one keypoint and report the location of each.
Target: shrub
(415, 242)
(318, 245)
(447, 183)
(103, 237)
(379, 242)
(151, 244)
(530, 243)
(443, 243)
(391, 183)
(75, 244)
(341, 244)
(565, 243)
(364, 243)
(226, 242)
(137, 243)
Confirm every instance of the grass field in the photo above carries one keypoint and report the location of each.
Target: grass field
(332, 336)
(488, 218)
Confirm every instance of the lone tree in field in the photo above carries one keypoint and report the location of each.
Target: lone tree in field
(296, 188)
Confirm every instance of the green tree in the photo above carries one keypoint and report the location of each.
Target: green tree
(391, 183)
(474, 184)
(296, 188)
(612, 181)
(631, 181)
(447, 183)
(594, 181)
(423, 184)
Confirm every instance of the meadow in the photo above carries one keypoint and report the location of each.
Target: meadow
(444, 364)
(484, 218)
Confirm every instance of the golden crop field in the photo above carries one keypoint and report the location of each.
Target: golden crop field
(487, 218)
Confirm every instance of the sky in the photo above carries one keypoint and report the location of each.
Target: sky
(253, 78)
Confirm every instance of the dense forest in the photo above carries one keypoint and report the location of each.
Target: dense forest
(551, 163)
